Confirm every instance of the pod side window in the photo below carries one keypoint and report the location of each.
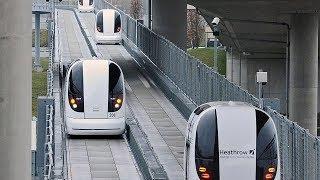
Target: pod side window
(75, 89)
(81, 2)
(100, 21)
(90, 2)
(206, 146)
(117, 22)
(115, 88)
(267, 148)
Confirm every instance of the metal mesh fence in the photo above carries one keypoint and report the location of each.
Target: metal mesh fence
(49, 144)
(299, 150)
(47, 136)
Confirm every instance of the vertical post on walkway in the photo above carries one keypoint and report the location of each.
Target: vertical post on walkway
(240, 69)
(15, 89)
(262, 79)
(147, 13)
(232, 62)
(37, 65)
(229, 64)
(244, 72)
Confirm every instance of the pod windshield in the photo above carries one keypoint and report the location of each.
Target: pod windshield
(75, 89)
(90, 2)
(117, 22)
(100, 21)
(267, 152)
(115, 88)
(206, 145)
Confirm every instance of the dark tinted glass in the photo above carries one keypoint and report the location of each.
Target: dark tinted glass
(206, 145)
(100, 21)
(115, 86)
(81, 2)
(115, 83)
(201, 108)
(267, 152)
(75, 89)
(90, 2)
(117, 22)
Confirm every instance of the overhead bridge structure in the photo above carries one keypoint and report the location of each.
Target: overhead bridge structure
(163, 86)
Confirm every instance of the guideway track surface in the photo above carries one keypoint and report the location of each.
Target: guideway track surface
(94, 157)
(158, 118)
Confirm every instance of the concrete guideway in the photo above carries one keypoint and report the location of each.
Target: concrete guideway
(158, 118)
(72, 38)
(100, 159)
(88, 158)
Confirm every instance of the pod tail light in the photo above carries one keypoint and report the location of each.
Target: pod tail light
(204, 174)
(270, 173)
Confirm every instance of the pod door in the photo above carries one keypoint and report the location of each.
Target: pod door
(108, 22)
(95, 85)
(237, 142)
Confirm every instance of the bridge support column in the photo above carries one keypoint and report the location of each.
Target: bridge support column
(244, 73)
(229, 64)
(37, 65)
(147, 13)
(15, 89)
(236, 68)
(304, 70)
(169, 19)
(233, 71)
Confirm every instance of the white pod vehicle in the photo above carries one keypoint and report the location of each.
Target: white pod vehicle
(231, 140)
(108, 27)
(85, 5)
(94, 98)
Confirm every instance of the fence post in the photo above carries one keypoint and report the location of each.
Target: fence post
(305, 154)
(318, 160)
(136, 34)
(43, 102)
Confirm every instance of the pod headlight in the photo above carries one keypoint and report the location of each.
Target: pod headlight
(204, 173)
(72, 101)
(117, 106)
(272, 170)
(202, 169)
(119, 101)
(115, 102)
(74, 106)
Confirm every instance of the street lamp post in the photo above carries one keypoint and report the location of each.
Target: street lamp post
(215, 54)
(262, 79)
(216, 32)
